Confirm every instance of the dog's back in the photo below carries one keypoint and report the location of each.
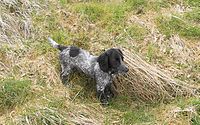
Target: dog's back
(81, 60)
(74, 57)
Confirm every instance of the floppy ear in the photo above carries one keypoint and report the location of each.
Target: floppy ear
(121, 54)
(103, 62)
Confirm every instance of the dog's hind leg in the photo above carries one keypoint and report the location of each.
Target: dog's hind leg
(66, 70)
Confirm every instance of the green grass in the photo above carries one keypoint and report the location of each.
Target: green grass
(93, 12)
(157, 5)
(116, 103)
(133, 112)
(13, 93)
(196, 119)
(136, 32)
(105, 14)
(195, 3)
(138, 116)
(151, 52)
(136, 4)
(177, 25)
(109, 16)
(195, 102)
(193, 15)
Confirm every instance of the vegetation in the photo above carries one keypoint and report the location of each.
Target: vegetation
(13, 93)
(163, 33)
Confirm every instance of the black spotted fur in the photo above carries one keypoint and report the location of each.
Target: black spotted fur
(102, 68)
(74, 51)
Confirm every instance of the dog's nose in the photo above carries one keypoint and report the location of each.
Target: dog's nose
(126, 69)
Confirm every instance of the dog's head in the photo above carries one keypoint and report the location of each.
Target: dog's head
(112, 61)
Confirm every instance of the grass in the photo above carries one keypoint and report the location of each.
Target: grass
(196, 119)
(14, 93)
(138, 116)
(195, 3)
(177, 25)
(94, 12)
(44, 100)
(136, 32)
(108, 15)
(193, 15)
(151, 52)
(43, 116)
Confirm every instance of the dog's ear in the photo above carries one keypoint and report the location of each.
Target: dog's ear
(121, 54)
(103, 62)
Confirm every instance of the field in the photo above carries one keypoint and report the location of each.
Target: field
(163, 33)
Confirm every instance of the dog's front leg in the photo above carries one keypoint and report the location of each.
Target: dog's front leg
(108, 91)
(101, 95)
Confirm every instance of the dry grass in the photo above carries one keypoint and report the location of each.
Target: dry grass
(54, 116)
(15, 21)
(149, 83)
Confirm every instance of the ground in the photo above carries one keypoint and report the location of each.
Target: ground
(166, 34)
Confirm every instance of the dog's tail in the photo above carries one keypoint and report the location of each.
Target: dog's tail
(56, 45)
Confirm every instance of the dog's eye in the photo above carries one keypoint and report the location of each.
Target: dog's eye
(117, 59)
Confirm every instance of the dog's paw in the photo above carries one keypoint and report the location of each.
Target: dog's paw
(109, 95)
(102, 97)
(104, 102)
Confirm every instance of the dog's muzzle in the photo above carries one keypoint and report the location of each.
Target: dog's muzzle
(123, 69)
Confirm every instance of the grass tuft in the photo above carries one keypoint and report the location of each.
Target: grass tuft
(42, 116)
(13, 93)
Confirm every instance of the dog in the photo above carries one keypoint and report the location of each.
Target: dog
(101, 68)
